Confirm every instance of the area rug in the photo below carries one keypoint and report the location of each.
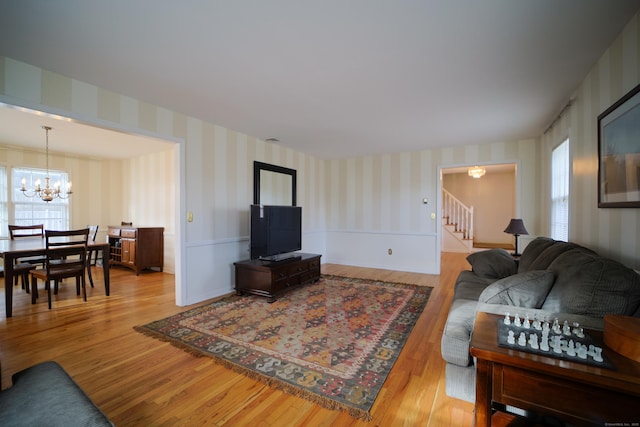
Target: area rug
(333, 342)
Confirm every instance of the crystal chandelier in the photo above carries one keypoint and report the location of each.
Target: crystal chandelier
(477, 172)
(47, 193)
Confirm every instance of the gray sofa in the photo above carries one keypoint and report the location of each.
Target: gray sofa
(45, 395)
(551, 279)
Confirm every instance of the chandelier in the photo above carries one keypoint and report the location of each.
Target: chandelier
(47, 193)
(477, 172)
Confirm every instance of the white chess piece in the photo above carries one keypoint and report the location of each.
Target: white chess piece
(533, 341)
(580, 333)
(597, 354)
(507, 319)
(522, 340)
(527, 322)
(574, 327)
(511, 339)
(566, 329)
(537, 325)
(544, 343)
(557, 344)
(571, 349)
(556, 326)
(516, 320)
(582, 351)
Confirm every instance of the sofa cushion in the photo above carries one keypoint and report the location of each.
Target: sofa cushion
(532, 251)
(589, 284)
(521, 290)
(493, 264)
(544, 251)
(469, 285)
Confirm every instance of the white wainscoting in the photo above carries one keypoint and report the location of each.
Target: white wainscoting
(417, 253)
(209, 268)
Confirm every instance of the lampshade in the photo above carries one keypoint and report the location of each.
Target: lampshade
(516, 226)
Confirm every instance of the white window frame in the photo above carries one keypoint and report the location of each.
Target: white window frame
(54, 215)
(560, 191)
(4, 202)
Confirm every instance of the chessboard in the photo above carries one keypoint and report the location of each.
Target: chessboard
(553, 339)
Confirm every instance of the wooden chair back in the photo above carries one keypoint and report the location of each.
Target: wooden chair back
(20, 231)
(66, 253)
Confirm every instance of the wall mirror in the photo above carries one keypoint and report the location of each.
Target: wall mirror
(273, 185)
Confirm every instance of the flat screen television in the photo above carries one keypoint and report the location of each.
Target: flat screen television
(276, 232)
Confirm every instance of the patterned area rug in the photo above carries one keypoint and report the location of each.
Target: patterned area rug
(333, 342)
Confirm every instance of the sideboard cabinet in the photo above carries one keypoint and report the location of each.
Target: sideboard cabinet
(137, 248)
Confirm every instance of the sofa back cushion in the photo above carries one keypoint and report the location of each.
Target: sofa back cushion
(532, 251)
(544, 252)
(492, 264)
(586, 283)
(528, 289)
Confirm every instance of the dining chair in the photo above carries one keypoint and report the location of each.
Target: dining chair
(93, 232)
(22, 266)
(66, 256)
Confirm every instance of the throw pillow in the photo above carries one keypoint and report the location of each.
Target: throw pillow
(527, 290)
(493, 264)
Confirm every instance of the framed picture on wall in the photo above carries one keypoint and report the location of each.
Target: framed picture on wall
(619, 153)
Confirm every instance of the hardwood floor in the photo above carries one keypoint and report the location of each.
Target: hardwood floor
(140, 381)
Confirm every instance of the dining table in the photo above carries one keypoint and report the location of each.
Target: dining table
(10, 250)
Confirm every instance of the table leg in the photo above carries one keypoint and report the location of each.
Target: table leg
(8, 285)
(105, 269)
(482, 412)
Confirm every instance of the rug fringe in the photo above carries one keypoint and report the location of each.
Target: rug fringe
(269, 381)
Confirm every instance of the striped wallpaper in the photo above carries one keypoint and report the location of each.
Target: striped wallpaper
(611, 232)
(355, 209)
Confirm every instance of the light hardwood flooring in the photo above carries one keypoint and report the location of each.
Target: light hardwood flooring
(140, 381)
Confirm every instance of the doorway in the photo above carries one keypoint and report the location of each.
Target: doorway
(82, 146)
(492, 197)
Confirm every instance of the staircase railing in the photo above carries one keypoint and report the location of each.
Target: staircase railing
(457, 214)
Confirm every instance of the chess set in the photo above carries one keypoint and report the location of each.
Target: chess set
(552, 339)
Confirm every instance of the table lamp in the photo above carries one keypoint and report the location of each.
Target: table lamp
(516, 227)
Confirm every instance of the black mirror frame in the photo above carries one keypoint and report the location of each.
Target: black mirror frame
(260, 166)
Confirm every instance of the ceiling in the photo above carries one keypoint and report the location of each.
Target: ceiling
(331, 78)
(23, 128)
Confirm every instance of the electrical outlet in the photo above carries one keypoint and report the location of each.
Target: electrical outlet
(433, 215)
(390, 251)
(189, 216)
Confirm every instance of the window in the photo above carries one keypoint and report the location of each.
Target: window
(32, 210)
(560, 192)
(4, 203)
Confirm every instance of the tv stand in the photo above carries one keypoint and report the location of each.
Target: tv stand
(268, 278)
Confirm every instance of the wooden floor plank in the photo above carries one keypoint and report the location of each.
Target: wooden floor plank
(140, 381)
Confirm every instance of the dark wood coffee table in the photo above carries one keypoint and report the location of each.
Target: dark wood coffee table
(575, 392)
